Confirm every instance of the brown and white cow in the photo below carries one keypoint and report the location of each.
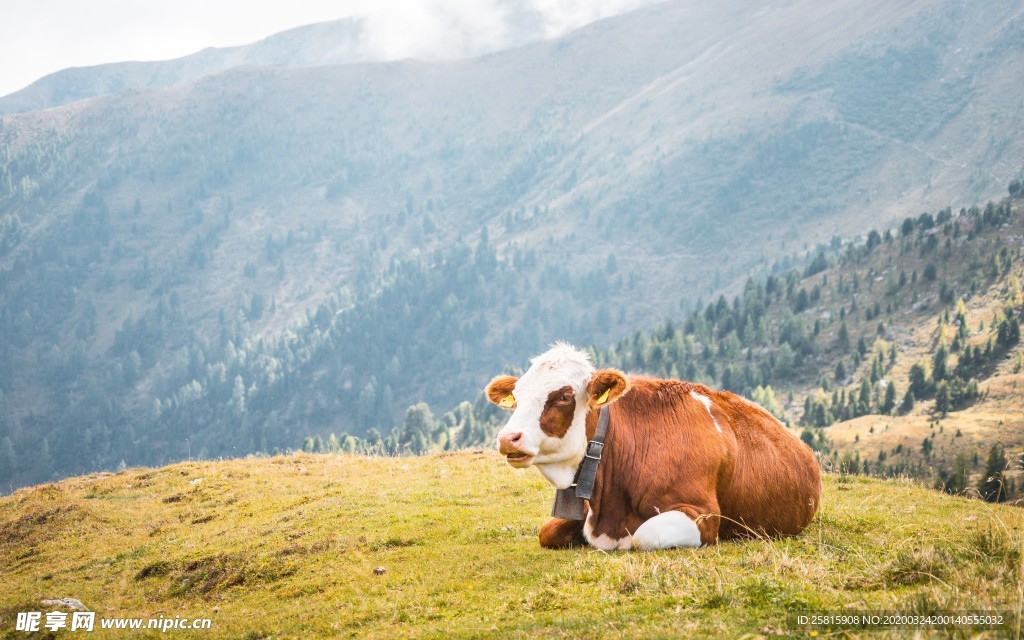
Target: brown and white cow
(683, 465)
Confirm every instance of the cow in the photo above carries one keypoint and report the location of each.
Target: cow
(682, 465)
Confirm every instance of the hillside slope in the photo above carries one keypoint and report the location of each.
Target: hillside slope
(229, 264)
(898, 353)
(335, 42)
(445, 545)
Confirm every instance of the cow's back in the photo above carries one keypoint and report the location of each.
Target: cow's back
(775, 485)
(676, 441)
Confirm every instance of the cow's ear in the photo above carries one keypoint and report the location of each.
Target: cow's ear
(499, 391)
(606, 386)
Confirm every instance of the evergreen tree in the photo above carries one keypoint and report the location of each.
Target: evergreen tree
(889, 402)
(943, 398)
(956, 481)
(1008, 331)
(939, 372)
(416, 428)
(920, 385)
(864, 399)
(992, 484)
(907, 405)
(843, 341)
(840, 373)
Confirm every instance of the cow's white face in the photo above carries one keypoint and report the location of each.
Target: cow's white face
(549, 406)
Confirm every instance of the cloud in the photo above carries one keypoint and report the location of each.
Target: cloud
(459, 28)
(44, 36)
(562, 16)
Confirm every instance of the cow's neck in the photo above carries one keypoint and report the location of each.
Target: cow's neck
(562, 473)
(607, 495)
(573, 489)
(591, 427)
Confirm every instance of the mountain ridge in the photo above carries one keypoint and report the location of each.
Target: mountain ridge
(319, 43)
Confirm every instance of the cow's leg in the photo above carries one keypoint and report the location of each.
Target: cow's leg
(557, 533)
(682, 526)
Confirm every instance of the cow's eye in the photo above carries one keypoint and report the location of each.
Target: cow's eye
(565, 398)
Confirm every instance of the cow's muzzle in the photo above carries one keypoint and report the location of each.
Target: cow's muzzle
(510, 445)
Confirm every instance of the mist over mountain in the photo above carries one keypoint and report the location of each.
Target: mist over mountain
(433, 30)
(229, 263)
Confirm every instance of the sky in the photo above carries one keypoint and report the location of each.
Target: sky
(38, 37)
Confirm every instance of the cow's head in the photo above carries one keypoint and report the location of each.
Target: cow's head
(549, 404)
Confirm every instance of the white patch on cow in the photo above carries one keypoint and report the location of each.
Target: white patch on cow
(559, 474)
(604, 542)
(706, 401)
(556, 458)
(666, 531)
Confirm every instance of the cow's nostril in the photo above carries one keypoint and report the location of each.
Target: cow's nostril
(510, 442)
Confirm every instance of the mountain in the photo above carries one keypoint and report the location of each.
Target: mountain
(231, 264)
(335, 42)
(446, 545)
(433, 33)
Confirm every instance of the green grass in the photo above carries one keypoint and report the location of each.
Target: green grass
(445, 545)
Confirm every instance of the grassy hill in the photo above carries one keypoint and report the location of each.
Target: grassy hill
(445, 545)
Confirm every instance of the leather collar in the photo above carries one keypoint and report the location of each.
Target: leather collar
(569, 501)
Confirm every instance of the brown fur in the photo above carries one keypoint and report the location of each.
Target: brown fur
(610, 380)
(559, 534)
(556, 418)
(663, 452)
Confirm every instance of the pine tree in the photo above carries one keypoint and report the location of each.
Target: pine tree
(1008, 331)
(417, 427)
(864, 399)
(943, 398)
(991, 486)
(957, 481)
(920, 385)
(844, 338)
(889, 402)
(939, 372)
(908, 403)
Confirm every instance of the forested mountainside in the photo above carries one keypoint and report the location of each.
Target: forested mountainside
(898, 354)
(230, 264)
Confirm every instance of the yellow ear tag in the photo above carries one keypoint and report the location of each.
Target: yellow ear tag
(604, 397)
(508, 401)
